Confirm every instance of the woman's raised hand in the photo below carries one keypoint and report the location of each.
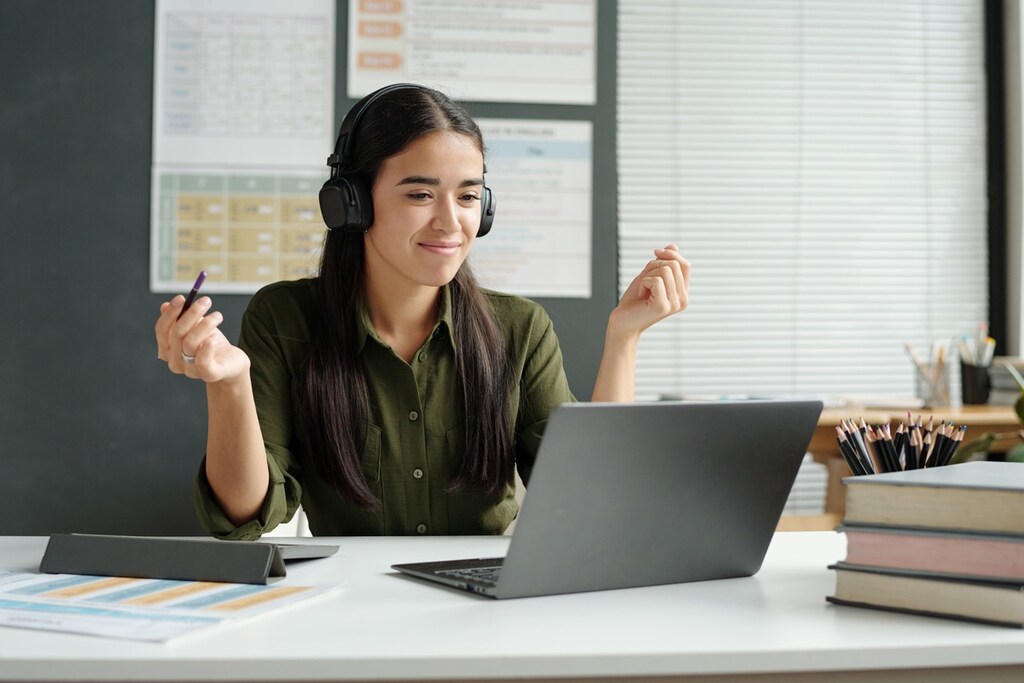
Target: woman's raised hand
(659, 291)
(193, 344)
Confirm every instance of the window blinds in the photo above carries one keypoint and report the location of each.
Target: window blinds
(822, 166)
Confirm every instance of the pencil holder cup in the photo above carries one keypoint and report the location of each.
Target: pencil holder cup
(933, 385)
(974, 383)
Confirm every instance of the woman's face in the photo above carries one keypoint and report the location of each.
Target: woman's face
(426, 207)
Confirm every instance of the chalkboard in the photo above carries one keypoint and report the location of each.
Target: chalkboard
(98, 437)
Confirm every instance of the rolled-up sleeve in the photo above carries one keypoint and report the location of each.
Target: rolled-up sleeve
(279, 506)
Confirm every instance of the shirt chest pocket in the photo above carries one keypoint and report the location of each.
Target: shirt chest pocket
(371, 454)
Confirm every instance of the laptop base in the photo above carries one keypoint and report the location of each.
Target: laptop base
(476, 576)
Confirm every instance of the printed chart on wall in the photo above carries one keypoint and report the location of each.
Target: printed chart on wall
(540, 173)
(484, 50)
(242, 122)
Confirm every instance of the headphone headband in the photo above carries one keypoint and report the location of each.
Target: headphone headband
(343, 147)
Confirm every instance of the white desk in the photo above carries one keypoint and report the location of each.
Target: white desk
(381, 626)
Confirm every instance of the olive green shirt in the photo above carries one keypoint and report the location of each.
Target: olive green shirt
(415, 435)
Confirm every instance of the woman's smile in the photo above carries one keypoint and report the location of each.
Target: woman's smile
(441, 248)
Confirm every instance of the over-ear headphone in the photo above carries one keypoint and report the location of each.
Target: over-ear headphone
(345, 200)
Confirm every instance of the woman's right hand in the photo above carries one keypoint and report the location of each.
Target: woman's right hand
(197, 335)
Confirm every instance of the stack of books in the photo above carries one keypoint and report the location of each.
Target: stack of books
(945, 542)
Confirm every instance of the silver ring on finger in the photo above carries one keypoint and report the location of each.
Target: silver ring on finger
(187, 358)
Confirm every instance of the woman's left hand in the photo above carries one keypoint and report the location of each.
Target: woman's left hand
(656, 293)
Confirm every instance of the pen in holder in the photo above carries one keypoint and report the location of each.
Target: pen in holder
(976, 355)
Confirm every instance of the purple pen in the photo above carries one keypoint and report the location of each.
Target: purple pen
(195, 290)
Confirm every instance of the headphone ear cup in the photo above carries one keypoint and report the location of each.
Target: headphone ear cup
(346, 204)
(488, 204)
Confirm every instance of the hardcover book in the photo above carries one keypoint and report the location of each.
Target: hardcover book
(955, 553)
(973, 496)
(993, 602)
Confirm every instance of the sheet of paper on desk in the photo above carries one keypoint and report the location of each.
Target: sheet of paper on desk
(136, 609)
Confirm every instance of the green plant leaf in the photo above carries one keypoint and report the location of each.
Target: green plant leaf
(1016, 377)
(1016, 453)
(1018, 407)
(979, 445)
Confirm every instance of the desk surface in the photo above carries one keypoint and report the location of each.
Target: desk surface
(384, 626)
(972, 416)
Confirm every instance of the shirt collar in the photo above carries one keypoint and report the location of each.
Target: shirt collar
(444, 318)
(364, 328)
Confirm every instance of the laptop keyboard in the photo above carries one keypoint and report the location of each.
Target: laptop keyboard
(480, 575)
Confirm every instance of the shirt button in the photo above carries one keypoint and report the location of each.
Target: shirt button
(423, 356)
(421, 528)
(413, 416)
(417, 473)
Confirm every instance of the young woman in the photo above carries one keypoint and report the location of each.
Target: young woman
(391, 394)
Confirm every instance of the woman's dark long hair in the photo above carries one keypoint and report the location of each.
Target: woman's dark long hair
(332, 390)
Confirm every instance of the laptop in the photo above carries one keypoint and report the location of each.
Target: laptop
(641, 494)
